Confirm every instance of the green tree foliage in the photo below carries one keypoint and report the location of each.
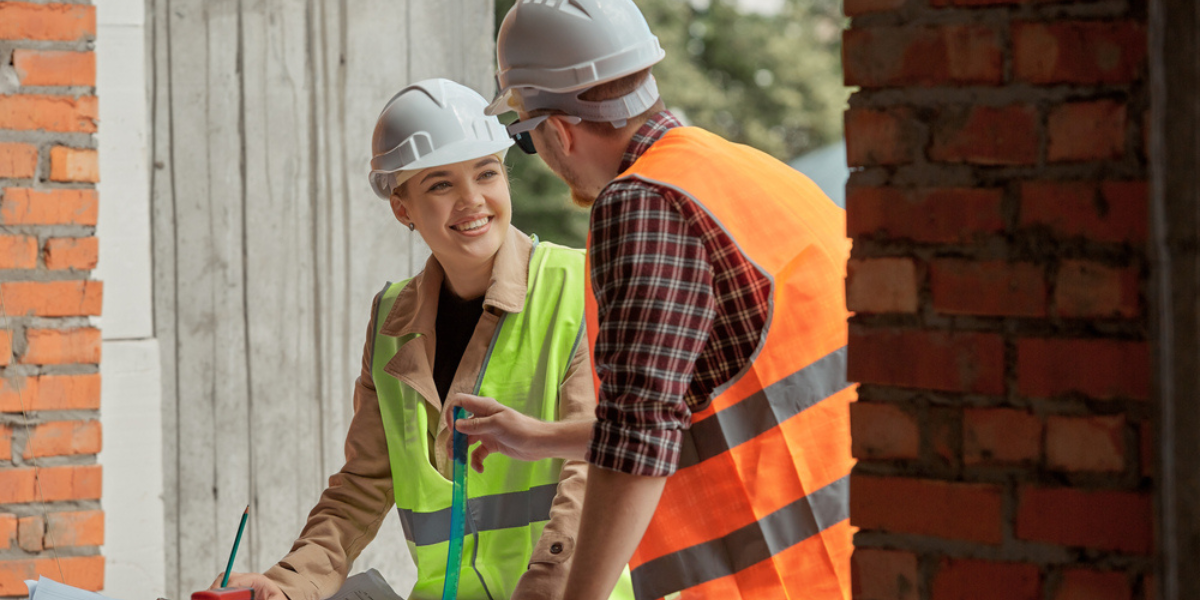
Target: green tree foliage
(773, 82)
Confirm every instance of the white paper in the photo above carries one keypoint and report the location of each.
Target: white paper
(368, 585)
(49, 589)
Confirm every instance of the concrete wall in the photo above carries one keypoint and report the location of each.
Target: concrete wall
(268, 246)
(131, 391)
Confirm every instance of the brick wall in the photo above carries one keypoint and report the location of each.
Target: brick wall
(50, 518)
(999, 278)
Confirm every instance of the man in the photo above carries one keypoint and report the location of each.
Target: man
(718, 323)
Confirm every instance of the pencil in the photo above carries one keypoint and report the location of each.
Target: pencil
(237, 540)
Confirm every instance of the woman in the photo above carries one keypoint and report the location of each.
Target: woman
(494, 313)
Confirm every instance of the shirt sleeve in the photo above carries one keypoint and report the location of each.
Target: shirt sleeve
(552, 555)
(351, 508)
(654, 293)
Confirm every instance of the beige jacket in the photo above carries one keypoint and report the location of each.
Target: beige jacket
(360, 496)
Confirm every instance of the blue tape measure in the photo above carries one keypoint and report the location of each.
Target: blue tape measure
(458, 511)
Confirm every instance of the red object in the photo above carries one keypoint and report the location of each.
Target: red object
(229, 593)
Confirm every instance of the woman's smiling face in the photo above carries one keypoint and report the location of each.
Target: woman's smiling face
(461, 210)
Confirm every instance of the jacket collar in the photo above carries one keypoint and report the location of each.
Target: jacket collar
(415, 309)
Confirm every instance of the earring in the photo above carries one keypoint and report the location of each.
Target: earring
(412, 226)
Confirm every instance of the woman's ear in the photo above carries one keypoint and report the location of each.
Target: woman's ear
(564, 132)
(399, 209)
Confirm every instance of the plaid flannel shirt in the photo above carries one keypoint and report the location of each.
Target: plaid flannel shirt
(681, 311)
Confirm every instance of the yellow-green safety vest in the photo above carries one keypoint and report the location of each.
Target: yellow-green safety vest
(509, 503)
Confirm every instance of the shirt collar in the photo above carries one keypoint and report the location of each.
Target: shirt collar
(646, 135)
(415, 309)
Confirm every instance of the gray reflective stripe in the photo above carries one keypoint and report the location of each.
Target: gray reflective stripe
(765, 409)
(747, 546)
(499, 511)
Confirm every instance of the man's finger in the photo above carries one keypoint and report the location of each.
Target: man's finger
(476, 425)
(478, 405)
(477, 457)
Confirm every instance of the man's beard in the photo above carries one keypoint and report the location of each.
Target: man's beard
(554, 159)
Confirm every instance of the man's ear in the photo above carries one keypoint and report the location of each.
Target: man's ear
(567, 138)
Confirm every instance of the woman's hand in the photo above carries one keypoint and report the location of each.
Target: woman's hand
(264, 589)
(496, 427)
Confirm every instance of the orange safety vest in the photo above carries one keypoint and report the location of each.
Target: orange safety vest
(758, 507)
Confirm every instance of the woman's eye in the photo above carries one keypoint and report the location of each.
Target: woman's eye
(488, 174)
(439, 186)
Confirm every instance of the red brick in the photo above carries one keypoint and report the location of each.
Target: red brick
(18, 161)
(6, 435)
(50, 113)
(74, 164)
(29, 533)
(72, 253)
(853, 8)
(18, 252)
(1086, 443)
(943, 429)
(1079, 51)
(16, 486)
(936, 360)
(882, 431)
(54, 484)
(1080, 131)
(84, 572)
(884, 574)
(880, 137)
(22, 206)
(63, 438)
(54, 67)
(62, 346)
(67, 529)
(1000, 435)
(985, 580)
(957, 511)
(8, 530)
(50, 22)
(1094, 367)
(1088, 289)
(881, 285)
(1070, 209)
(964, 287)
(52, 298)
(50, 392)
(1086, 584)
(5, 347)
(1102, 519)
(985, 135)
(70, 483)
(944, 215)
(931, 55)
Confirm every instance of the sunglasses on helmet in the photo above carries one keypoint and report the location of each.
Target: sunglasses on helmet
(519, 131)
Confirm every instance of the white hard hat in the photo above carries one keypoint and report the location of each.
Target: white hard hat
(549, 51)
(428, 124)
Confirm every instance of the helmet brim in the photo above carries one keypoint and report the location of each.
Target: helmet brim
(383, 180)
(501, 104)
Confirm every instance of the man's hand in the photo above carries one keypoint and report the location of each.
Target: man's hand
(264, 589)
(496, 427)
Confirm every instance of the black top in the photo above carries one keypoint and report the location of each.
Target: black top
(456, 320)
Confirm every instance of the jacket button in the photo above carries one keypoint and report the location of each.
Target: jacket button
(556, 548)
